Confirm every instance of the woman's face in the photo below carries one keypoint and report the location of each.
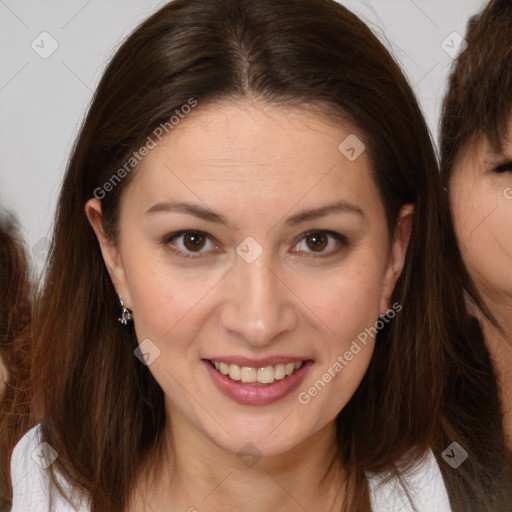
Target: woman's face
(248, 238)
(481, 201)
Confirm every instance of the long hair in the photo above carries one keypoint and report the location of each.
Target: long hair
(15, 413)
(301, 53)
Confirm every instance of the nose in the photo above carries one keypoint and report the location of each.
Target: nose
(258, 304)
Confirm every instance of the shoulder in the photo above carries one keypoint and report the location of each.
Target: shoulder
(32, 487)
(421, 489)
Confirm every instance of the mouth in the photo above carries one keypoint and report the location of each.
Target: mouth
(265, 382)
(253, 376)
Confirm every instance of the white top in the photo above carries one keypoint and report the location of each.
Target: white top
(34, 491)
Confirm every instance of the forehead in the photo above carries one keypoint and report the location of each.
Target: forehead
(258, 154)
(245, 133)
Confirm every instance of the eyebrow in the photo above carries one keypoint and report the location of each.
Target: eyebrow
(207, 215)
(316, 213)
(188, 208)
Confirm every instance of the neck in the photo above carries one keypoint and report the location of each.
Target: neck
(202, 476)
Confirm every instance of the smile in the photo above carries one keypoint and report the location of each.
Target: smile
(262, 384)
(248, 375)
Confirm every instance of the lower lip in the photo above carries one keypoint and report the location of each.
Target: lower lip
(258, 395)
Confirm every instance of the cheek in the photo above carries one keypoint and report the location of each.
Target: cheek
(473, 206)
(164, 297)
(489, 255)
(345, 306)
(351, 309)
(465, 218)
(349, 300)
(344, 350)
(483, 223)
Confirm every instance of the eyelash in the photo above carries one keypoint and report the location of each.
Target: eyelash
(343, 241)
(506, 167)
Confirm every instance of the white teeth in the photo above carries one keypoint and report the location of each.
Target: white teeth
(266, 375)
(234, 372)
(279, 371)
(248, 374)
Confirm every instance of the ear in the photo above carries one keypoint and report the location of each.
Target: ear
(397, 254)
(109, 250)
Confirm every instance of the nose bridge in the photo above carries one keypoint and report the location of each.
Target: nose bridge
(259, 306)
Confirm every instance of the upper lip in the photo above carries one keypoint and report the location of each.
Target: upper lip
(257, 363)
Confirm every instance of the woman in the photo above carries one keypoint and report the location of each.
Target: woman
(252, 198)
(15, 416)
(476, 148)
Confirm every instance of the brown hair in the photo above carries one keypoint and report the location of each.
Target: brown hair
(478, 101)
(477, 104)
(479, 96)
(303, 53)
(15, 417)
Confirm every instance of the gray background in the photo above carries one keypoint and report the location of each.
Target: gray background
(43, 100)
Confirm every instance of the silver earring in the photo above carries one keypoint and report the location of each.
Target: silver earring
(126, 316)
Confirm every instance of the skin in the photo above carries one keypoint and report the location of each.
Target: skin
(257, 166)
(481, 201)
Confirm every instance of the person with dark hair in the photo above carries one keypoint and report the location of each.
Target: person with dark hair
(476, 167)
(476, 151)
(15, 417)
(253, 298)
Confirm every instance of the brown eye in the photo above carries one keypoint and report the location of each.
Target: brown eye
(190, 244)
(317, 241)
(194, 240)
(321, 243)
